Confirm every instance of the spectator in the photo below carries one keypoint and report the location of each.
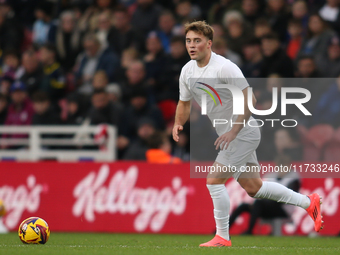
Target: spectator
(104, 26)
(251, 68)
(121, 36)
(262, 28)
(138, 109)
(220, 47)
(238, 32)
(330, 12)
(168, 84)
(100, 80)
(114, 92)
(218, 30)
(3, 108)
(295, 32)
(155, 58)
(251, 10)
(44, 27)
(306, 68)
(135, 80)
(166, 24)
(145, 17)
(160, 149)
(92, 60)
(275, 58)
(300, 12)
(259, 209)
(328, 107)
(10, 32)
(33, 72)
(44, 112)
(89, 20)
(20, 110)
(329, 65)
(187, 12)
(103, 111)
(6, 82)
(67, 40)
(218, 10)
(11, 61)
(277, 16)
(129, 55)
(317, 39)
(53, 81)
(138, 148)
(75, 110)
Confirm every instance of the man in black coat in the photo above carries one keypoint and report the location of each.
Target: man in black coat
(275, 60)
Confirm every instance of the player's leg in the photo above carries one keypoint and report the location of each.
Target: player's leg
(219, 195)
(257, 188)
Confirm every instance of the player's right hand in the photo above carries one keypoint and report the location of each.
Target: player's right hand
(175, 132)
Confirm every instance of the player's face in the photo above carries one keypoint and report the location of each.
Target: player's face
(197, 45)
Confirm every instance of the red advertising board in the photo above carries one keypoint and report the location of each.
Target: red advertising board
(133, 197)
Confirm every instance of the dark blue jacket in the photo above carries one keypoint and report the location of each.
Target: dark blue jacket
(108, 62)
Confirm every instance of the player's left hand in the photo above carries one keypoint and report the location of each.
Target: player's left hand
(224, 140)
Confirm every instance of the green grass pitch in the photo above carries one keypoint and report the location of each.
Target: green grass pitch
(95, 243)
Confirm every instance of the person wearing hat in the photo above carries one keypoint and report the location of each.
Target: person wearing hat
(329, 65)
(20, 111)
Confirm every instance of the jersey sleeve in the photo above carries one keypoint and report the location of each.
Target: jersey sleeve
(184, 91)
(232, 74)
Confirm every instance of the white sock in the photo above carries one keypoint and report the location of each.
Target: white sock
(277, 192)
(220, 197)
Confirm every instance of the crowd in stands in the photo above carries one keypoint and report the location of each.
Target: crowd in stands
(118, 62)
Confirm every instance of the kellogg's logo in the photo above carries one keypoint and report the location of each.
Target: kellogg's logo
(17, 200)
(151, 206)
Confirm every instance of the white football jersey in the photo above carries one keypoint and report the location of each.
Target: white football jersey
(195, 81)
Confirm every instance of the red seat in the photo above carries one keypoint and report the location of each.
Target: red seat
(168, 109)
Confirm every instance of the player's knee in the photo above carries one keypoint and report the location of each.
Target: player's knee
(252, 192)
(251, 186)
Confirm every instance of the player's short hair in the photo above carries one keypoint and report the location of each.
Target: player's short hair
(200, 27)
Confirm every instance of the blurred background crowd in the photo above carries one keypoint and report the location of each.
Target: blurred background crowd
(63, 62)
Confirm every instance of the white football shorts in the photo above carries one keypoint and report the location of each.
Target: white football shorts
(241, 150)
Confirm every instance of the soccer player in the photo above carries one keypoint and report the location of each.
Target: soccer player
(237, 142)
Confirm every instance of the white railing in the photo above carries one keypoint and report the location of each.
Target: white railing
(34, 147)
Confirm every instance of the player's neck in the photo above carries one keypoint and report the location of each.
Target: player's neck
(204, 61)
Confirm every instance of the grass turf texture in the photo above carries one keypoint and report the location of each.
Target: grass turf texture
(95, 243)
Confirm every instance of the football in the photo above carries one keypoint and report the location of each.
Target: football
(34, 230)
(2, 208)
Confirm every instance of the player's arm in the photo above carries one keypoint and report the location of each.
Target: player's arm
(181, 117)
(226, 138)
